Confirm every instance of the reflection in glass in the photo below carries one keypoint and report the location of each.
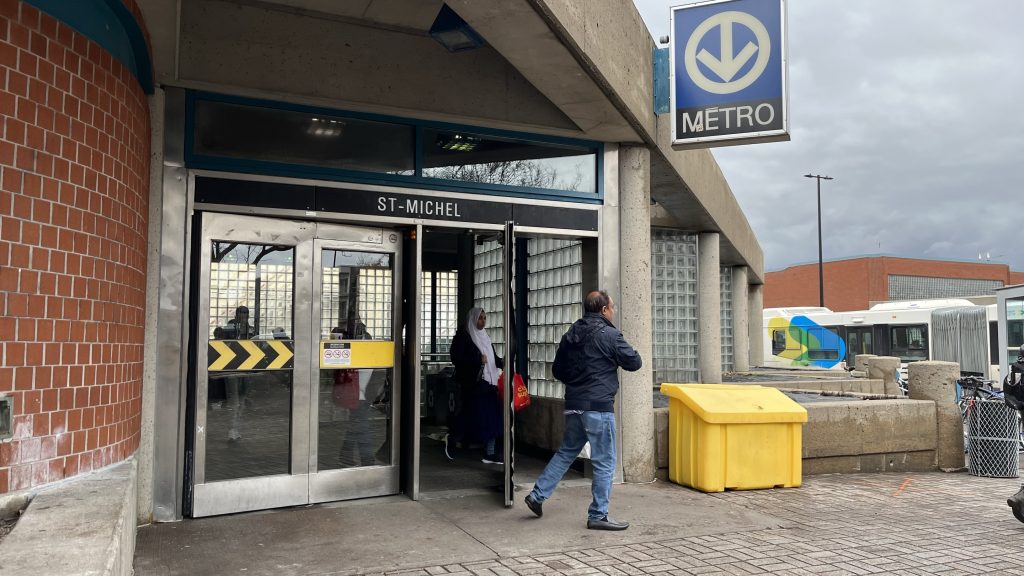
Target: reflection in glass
(909, 343)
(356, 303)
(312, 139)
(248, 424)
(491, 160)
(248, 410)
(356, 295)
(355, 418)
(1014, 325)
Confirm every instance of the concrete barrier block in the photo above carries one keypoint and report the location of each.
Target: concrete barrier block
(936, 381)
(860, 362)
(884, 368)
(661, 436)
(868, 427)
(898, 462)
(84, 526)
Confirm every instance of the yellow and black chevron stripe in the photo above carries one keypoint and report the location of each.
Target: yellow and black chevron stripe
(237, 355)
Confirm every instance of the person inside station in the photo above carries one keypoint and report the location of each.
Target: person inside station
(237, 328)
(351, 392)
(476, 371)
(236, 384)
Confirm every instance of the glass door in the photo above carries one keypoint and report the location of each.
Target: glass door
(293, 401)
(353, 450)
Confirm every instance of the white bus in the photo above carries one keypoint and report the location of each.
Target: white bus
(946, 329)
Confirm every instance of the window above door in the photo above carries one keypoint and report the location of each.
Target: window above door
(237, 134)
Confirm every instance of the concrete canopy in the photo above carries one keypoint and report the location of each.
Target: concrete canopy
(550, 66)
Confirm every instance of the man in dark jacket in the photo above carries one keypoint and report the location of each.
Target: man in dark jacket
(1013, 395)
(587, 362)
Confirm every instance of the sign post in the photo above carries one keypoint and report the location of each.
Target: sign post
(728, 73)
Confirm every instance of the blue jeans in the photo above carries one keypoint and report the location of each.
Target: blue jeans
(599, 429)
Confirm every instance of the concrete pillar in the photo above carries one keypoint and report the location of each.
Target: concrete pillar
(936, 381)
(755, 324)
(144, 455)
(884, 368)
(709, 307)
(634, 307)
(740, 320)
(860, 362)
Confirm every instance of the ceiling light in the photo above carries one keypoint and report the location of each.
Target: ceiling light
(326, 127)
(457, 142)
(452, 32)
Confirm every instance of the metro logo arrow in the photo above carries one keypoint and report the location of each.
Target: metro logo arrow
(727, 65)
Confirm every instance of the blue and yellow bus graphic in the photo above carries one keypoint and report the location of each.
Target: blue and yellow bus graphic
(805, 342)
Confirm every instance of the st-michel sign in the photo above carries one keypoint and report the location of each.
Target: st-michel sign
(728, 73)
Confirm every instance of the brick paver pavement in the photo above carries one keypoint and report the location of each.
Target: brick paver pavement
(921, 524)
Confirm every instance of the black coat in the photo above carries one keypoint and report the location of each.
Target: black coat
(587, 362)
(465, 357)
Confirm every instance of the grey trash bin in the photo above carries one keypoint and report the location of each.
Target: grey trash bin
(993, 435)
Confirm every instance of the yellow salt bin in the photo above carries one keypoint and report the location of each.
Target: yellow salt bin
(733, 437)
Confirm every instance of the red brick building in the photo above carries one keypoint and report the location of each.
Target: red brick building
(74, 193)
(854, 283)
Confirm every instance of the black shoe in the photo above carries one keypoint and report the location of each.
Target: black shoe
(606, 523)
(534, 505)
(1016, 503)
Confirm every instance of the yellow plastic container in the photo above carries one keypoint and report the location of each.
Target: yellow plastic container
(735, 437)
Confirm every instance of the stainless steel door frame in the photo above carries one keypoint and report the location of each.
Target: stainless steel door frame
(264, 491)
(412, 339)
(508, 285)
(362, 482)
(303, 484)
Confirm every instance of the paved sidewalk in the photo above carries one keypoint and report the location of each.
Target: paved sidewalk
(926, 523)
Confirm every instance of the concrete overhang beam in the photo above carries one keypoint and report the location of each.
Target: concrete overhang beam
(516, 30)
(691, 188)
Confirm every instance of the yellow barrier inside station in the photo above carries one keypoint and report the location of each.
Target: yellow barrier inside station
(733, 437)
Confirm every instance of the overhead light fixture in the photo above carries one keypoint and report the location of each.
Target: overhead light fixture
(326, 127)
(457, 142)
(452, 32)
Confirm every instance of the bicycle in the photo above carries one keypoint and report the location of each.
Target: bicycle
(971, 389)
(981, 389)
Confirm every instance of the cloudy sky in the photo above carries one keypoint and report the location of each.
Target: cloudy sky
(913, 106)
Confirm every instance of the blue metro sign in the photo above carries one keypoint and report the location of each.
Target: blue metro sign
(728, 66)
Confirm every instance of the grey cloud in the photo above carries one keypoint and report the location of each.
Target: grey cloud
(911, 106)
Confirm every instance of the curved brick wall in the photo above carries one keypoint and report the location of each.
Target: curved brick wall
(74, 177)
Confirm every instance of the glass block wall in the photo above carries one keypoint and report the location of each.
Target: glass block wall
(922, 287)
(439, 309)
(487, 294)
(674, 305)
(555, 299)
(727, 355)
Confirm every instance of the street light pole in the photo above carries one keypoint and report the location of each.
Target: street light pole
(821, 267)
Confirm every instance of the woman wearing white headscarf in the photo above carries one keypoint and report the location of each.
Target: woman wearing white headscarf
(476, 370)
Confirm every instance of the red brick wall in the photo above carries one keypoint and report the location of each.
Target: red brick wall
(853, 284)
(74, 163)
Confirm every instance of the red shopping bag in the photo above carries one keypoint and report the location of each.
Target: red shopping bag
(346, 389)
(520, 395)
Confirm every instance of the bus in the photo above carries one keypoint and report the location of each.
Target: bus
(949, 329)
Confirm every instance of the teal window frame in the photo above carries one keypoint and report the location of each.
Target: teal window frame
(417, 180)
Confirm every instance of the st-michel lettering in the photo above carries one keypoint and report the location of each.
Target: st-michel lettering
(419, 207)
